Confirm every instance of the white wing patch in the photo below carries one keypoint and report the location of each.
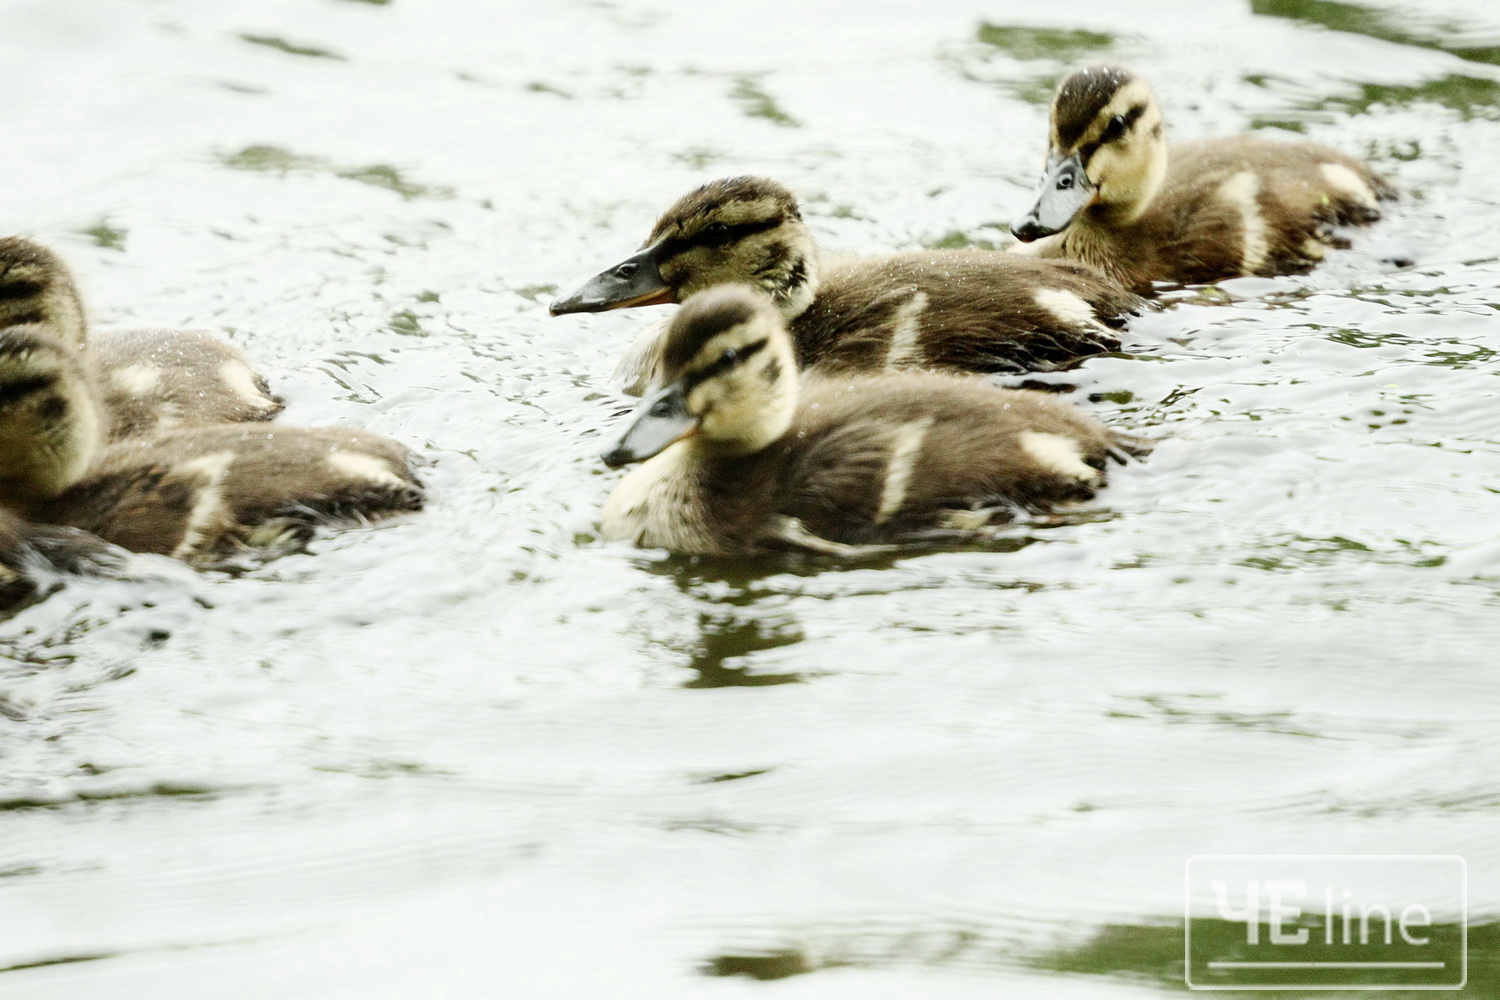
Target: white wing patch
(209, 470)
(138, 380)
(242, 382)
(906, 336)
(366, 467)
(1241, 191)
(1070, 308)
(1057, 453)
(906, 448)
(1347, 182)
(168, 415)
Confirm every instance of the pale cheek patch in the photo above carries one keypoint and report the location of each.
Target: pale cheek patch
(1069, 307)
(242, 382)
(1057, 453)
(137, 380)
(906, 449)
(355, 466)
(1348, 183)
(906, 334)
(1133, 93)
(1241, 192)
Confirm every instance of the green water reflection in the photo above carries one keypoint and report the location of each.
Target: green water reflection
(1382, 24)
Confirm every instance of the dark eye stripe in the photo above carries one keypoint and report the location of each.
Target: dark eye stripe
(1087, 150)
(720, 366)
(20, 388)
(674, 245)
(1132, 116)
(21, 289)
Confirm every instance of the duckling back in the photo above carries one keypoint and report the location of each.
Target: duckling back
(158, 380)
(958, 311)
(205, 494)
(1249, 205)
(889, 458)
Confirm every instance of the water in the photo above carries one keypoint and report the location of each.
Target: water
(476, 753)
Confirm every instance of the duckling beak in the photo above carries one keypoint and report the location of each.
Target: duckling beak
(1065, 191)
(635, 281)
(662, 420)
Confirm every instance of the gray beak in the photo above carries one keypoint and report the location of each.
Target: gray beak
(1064, 192)
(661, 420)
(635, 281)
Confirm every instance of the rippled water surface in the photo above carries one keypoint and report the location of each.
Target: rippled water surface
(477, 753)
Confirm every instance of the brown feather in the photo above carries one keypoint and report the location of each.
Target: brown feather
(190, 384)
(223, 482)
(981, 313)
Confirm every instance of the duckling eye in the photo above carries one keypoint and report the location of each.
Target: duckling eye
(1114, 129)
(729, 357)
(715, 234)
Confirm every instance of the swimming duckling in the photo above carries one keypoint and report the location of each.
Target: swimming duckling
(959, 310)
(149, 379)
(197, 493)
(1114, 197)
(742, 457)
(51, 422)
(205, 494)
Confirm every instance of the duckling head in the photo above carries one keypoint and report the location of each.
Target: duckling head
(51, 428)
(730, 382)
(745, 230)
(1107, 154)
(35, 287)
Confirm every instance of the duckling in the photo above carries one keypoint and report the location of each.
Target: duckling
(200, 493)
(743, 456)
(1115, 197)
(204, 495)
(149, 379)
(52, 426)
(956, 310)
